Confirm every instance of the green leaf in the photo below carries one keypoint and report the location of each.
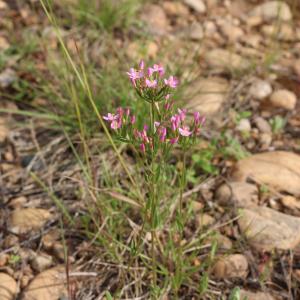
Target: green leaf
(235, 294)
(108, 295)
(203, 285)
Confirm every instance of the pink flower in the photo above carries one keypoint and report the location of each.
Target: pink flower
(134, 75)
(116, 124)
(156, 68)
(136, 133)
(174, 140)
(142, 65)
(132, 119)
(151, 83)
(202, 121)
(175, 121)
(143, 148)
(110, 117)
(172, 82)
(127, 111)
(162, 134)
(156, 124)
(182, 114)
(144, 136)
(196, 117)
(185, 131)
(120, 112)
(168, 105)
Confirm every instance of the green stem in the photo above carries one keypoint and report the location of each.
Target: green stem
(179, 269)
(182, 182)
(153, 198)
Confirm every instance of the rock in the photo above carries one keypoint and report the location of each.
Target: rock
(223, 242)
(260, 89)
(238, 8)
(253, 40)
(225, 60)
(26, 254)
(208, 95)
(10, 241)
(41, 262)
(49, 239)
(267, 229)
(4, 258)
(59, 251)
(152, 49)
(283, 99)
(24, 281)
(231, 32)
(22, 221)
(8, 287)
(49, 33)
(197, 5)
(4, 44)
(4, 131)
(135, 50)
(232, 266)
(290, 202)
(272, 10)
(278, 169)
(17, 202)
(210, 28)
(296, 67)
(7, 77)
(255, 296)
(205, 220)
(244, 125)
(265, 140)
(262, 125)
(155, 17)
(196, 32)
(175, 8)
(48, 285)
(283, 33)
(196, 206)
(3, 5)
(253, 20)
(239, 194)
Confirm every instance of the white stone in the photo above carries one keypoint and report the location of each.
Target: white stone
(262, 125)
(244, 125)
(41, 262)
(8, 287)
(272, 10)
(7, 77)
(197, 5)
(196, 31)
(225, 60)
(284, 99)
(260, 89)
(233, 266)
(267, 229)
(208, 95)
(279, 170)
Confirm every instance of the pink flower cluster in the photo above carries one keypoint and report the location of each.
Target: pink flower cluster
(152, 78)
(169, 128)
(120, 118)
(170, 131)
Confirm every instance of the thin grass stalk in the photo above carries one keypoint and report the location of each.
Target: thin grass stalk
(84, 83)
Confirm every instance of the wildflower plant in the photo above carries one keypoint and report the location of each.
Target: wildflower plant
(166, 128)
